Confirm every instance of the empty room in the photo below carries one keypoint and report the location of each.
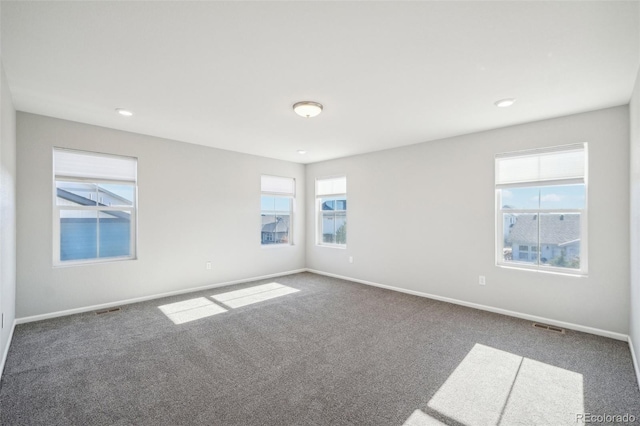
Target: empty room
(319, 213)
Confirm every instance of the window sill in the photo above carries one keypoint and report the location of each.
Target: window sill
(335, 246)
(574, 274)
(273, 246)
(71, 263)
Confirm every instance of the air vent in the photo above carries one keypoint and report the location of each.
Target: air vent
(548, 327)
(107, 311)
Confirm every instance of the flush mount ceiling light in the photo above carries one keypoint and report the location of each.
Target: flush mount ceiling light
(124, 112)
(503, 103)
(307, 109)
(302, 151)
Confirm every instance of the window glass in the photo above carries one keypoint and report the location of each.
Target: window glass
(331, 202)
(282, 204)
(76, 193)
(114, 228)
(276, 210)
(562, 197)
(328, 205)
(115, 195)
(78, 235)
(542, 226)
(276, 220)
(95, 206)
(267, 203)
(560, 240)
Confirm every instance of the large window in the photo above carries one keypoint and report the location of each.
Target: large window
(542, 209)
(94, 206)
(276, 210)
(331, 206)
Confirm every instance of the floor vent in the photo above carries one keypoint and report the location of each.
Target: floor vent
(548, 327)
(107, 311)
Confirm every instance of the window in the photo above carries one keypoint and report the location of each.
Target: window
(331, 202)
(276, 210)
(542, 209)
(94, 205)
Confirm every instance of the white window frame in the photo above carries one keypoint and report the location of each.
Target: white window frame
(318, 208)
(584, 263)
(283, 192)
(57, 209)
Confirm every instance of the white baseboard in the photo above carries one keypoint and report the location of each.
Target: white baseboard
(635, 361)
(41, 317)
(6, 349)
(577, 327)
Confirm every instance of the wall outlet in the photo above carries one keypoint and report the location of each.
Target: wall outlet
(482, 280)
(350, 259)
(208, 266)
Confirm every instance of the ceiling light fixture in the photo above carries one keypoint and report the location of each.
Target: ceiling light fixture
(307, 109)
(503, 103)
(302, 151)
(124, 112)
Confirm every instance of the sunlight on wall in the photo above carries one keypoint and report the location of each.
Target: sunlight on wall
(247, 296)
(494, 387)
(190, 310)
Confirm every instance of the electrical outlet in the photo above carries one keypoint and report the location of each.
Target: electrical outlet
(482, 280)
(208, 266)
(350, 259)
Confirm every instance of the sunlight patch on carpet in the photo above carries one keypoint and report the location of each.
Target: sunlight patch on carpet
(420, 418)
(248, 296)
(191, 310)
(495, 387)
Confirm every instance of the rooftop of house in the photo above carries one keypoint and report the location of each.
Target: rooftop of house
(554, 229)
(275, 223)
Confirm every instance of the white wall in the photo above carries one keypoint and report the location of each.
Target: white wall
(196, 204)
(422, 218)
(634, 321)
(7, 214)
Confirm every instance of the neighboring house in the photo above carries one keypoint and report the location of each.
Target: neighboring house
(86, 194)
(275, 229)
(559, 237)
(509, 221)
(78, 231)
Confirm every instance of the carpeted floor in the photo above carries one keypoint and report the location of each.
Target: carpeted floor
(310, 350)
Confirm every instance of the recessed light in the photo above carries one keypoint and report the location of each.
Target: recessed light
(307, 109)
(503, 103)
(124, 112)
(302, 151)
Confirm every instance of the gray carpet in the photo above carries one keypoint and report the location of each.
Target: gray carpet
(331, 353)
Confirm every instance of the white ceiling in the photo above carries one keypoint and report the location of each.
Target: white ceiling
(226, 74)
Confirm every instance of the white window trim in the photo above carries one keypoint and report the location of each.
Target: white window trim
(57, 209)
(292, 212)
(584, 220)
(318, 213)
(291, 222)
